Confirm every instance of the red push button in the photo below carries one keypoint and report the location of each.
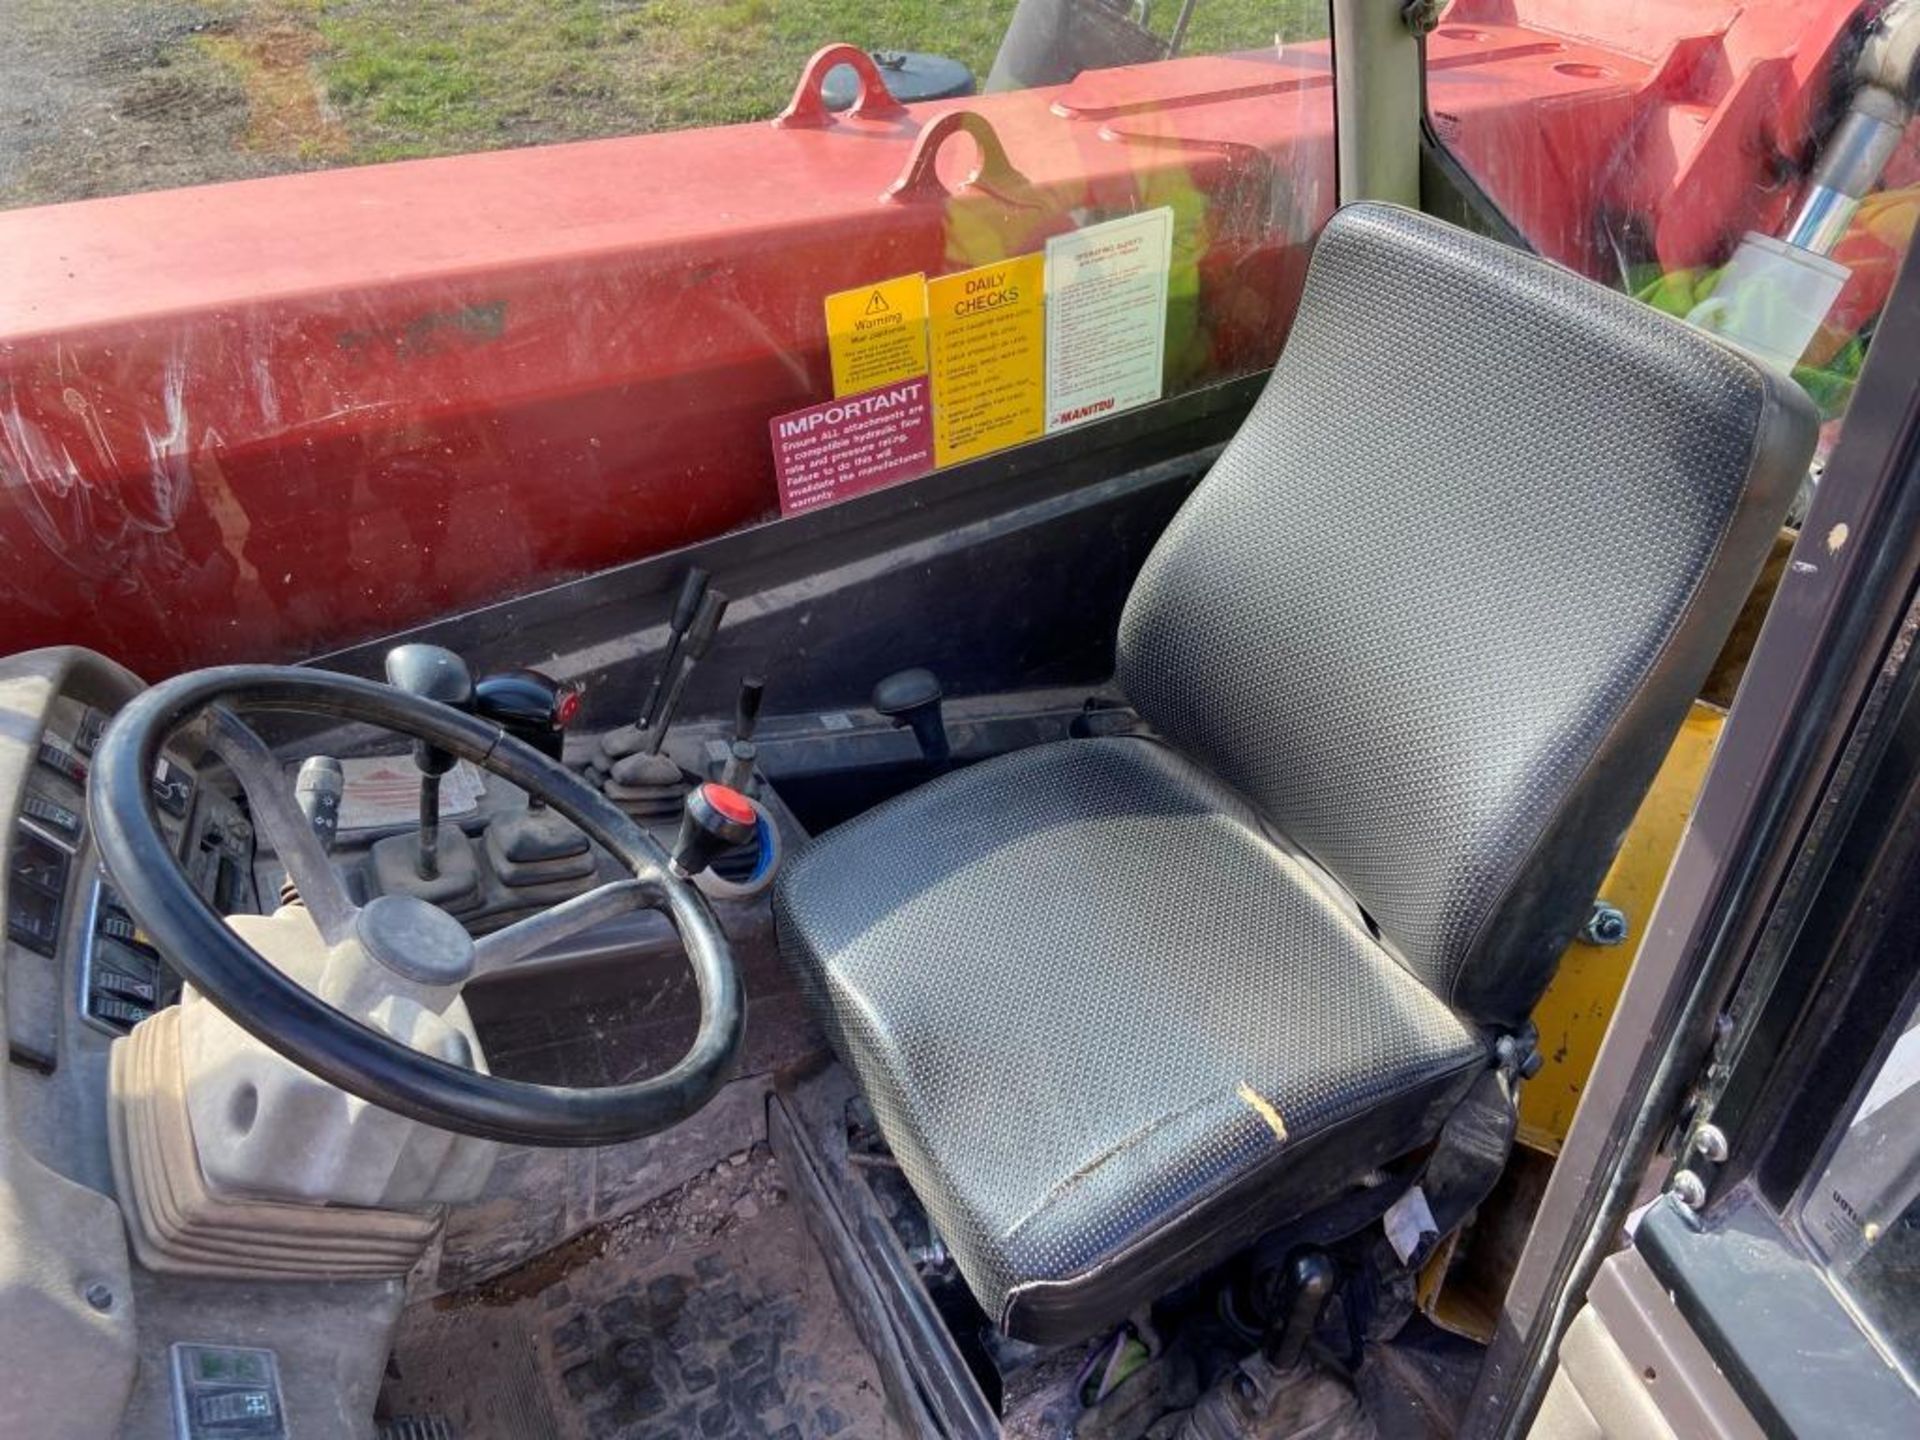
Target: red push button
(729, 802)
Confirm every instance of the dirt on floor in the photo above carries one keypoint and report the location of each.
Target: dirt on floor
(706, 1313)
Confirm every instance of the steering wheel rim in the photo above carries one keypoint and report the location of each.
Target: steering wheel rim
(326, 1042)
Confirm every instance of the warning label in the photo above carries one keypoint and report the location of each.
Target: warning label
(877, 335)
(987, 331)
(385, 790)
(849, 446)
(934, 372)
(1107, 317)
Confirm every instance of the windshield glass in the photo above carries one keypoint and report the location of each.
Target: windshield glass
(464, 301)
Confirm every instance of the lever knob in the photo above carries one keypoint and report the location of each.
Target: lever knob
(714, 820)
(529, 706)
(432, 673)
(912, 697)
(747, 714)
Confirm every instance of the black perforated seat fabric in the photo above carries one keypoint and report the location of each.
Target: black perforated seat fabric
(1414, 649)
(1199, 1014)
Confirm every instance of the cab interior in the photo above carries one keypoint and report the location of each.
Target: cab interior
(1059, 947)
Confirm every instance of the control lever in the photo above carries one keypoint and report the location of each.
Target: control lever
(531, 707)
(317, 790)
(1305, 1286)
(912, 698)
(536, 846)
(713, 821)
(432, 673)
(706, 623)
(686, 607)
(742, 753)
(1280, 1388)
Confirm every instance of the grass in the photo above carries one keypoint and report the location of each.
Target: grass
(101, 97)
(408, 79)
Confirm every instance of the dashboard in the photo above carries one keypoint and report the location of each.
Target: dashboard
(78, 970)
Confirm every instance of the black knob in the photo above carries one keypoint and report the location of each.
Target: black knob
(912, 697)
(714, 820)
(529, 706)
(747, 713)
(433, 674)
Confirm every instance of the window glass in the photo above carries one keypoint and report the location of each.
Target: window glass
(1753, 168)
(1862, 1212)
(262, 395)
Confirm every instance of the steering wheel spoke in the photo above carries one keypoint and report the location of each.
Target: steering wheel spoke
(279, 818)
(533, 934)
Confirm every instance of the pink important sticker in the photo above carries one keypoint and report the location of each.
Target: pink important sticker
(841, 448)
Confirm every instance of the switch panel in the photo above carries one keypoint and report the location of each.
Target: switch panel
(63, 820)
(63, 762)
(36, 886)
(227, 1392)
(123, 980)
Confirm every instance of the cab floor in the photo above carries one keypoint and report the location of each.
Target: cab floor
(706, 1313)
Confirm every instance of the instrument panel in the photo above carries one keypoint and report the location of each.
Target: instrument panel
(73, 951)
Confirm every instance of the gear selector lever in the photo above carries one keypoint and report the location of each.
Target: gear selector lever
(317, 790)
(432, 673)
(529, 706)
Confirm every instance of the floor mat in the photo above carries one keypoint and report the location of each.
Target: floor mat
(705, 1313)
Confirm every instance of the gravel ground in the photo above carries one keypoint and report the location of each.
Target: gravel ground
(103, 98)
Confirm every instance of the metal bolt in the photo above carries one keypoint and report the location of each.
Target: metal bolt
(1421, 16)
(1689, 1189)
(99, 1296)
(1607, 925)
(1710, 1143)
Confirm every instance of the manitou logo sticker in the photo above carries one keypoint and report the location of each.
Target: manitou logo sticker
(1107, 317)
(1083, 412)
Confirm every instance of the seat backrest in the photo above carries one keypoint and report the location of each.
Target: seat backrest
(1442, 603)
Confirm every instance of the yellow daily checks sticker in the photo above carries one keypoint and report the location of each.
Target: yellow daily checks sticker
(988, 333)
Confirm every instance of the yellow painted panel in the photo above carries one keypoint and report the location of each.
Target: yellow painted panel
(1573, 1015)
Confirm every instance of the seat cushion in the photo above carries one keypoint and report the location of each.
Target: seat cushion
(1111, 1031)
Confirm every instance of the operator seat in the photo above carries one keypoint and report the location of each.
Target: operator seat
(1413, 651)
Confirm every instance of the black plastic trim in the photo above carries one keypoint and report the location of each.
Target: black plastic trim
(1770, 1320)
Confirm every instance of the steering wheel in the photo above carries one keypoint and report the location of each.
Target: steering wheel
(291, 1019)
